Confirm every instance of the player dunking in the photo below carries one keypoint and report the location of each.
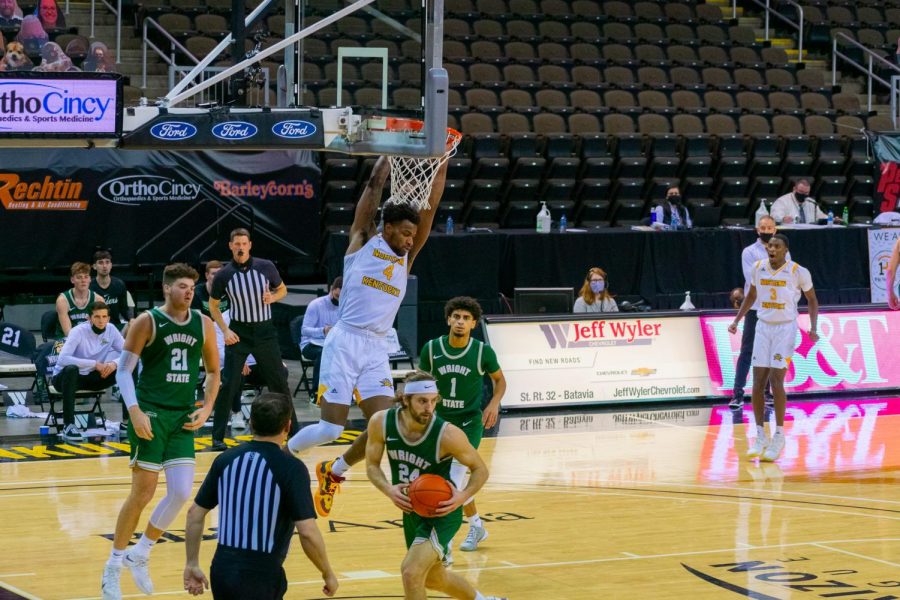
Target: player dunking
(778, 282)
(169, 342)
(355, 354)
(458, 362)
(419, 442)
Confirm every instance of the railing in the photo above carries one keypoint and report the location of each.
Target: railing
(872, 57)
(116, 10)
(173, 43)
(258, 93)
(797, 26)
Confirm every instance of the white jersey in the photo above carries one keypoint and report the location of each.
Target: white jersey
(374, 286)
(779, 290)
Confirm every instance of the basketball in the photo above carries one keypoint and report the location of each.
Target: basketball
(426, 492)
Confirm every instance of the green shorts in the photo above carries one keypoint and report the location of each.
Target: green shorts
(438, 532)
(171, 443)
(471, 425)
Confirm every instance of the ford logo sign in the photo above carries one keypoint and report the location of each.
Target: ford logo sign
(173, 130)
(234, 130)
(294, 130)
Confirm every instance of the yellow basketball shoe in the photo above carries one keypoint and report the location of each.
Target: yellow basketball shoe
(329, 485)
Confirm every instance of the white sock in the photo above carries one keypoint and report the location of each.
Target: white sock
(761, 432)
(144, 546)
(115, 557)
(779, 430)
(475, 521)
(340, 466)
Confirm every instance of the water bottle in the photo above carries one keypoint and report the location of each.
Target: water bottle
(449, 228)
(761, 212)
(830, 218)
(687, 304)
(845, 216)
(652, 216)
(543, 219)
(563, 224)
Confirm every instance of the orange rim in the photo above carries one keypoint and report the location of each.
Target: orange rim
(401, 125)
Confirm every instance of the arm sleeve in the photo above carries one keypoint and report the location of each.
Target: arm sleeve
(300, 502)
(312, 327)
(747, 266)
(219, 283)
(489, 362)
(67, 356)
(208, 494)
(271, 272)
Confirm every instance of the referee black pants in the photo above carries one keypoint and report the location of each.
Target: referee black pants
(260, 340)
(231, 579)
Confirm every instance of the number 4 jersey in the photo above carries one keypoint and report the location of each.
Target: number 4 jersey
(170, 362)
(460, 375)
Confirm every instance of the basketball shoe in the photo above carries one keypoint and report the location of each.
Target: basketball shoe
(773, 451)
(140, 570)
(111, 588)
(475, 536)
(758, 447)
(329, 485)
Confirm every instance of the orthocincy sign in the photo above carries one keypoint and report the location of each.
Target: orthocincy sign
(82, 106)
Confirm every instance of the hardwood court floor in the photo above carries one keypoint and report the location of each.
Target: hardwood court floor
(650, 503)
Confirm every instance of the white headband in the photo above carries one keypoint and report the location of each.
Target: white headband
(420, 387)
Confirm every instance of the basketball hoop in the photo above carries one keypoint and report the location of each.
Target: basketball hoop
(412, 177)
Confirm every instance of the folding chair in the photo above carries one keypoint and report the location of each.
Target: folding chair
(45, 357)
(305, 377)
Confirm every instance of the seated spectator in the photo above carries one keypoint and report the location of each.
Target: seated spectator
(100, 59)
(87, 361)
(72, 305)
(675, 212)
(796, 206)
(320, 317)
(112, 289)
(32, 35)
(594, 296)
(54, 60)
(52, 19)
(10, 15)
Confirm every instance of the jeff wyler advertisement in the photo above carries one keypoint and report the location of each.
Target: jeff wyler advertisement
(588, 361)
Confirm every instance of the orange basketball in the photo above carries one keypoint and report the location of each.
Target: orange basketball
(427, 491)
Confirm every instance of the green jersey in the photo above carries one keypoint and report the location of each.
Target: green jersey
(77, 314)
(408, 459)
(171, 362)
(460, 375)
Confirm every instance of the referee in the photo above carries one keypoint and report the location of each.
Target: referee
(262, 494)
(251, 285)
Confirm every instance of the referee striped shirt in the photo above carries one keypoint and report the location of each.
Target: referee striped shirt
(245, 284)
(261, 493)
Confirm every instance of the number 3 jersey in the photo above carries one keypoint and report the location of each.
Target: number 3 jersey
(409, 460)
(779, 290)
(170, 362)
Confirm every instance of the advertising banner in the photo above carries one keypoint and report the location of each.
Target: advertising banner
(855, 351)
(592, 361)
(881, 242)
(60, 105)
(58, 205)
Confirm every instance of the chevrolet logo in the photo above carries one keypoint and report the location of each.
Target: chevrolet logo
(643, 372)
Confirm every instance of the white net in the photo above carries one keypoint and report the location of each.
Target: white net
(412, 178)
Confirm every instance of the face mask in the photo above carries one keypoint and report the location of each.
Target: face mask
(675, 199)
(800, 197)
(598, 286)
(96, 329)
(334, 301)
(765, 237)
